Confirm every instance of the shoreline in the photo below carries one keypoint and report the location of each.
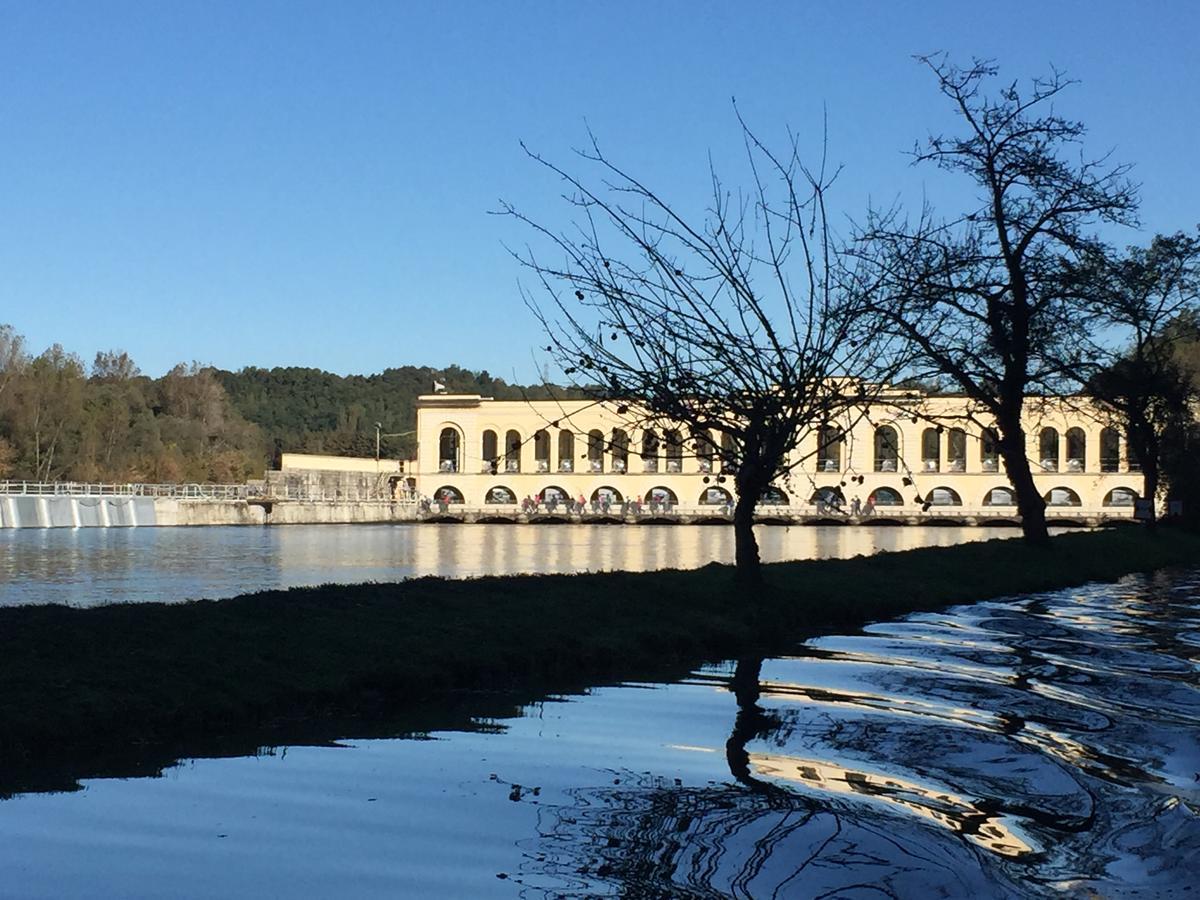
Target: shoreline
(130, 687)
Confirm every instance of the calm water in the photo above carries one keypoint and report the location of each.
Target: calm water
(1043, 746)
(86, 566)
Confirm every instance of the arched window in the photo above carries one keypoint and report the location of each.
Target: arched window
(512, 451)
(606, 497)
(447, 494)
(491, 459)
(1120, 496)
(931, 450)
(1110, 450)
(829, 449)
(1076, 450)
(500, 495)
(1048, 449)
(1061, 496)
(620, 450)
(773, 496)
(661, 498)
(448, 451)
(674, 451)
(885, 496)
(649, 451)
(541, 450)
(729, 454)
(989, 450)
(943, 496)
(553, 496)
(1000, 496)
(956, 450)
(831, 497)
(706, 451)
(566, 451)
(887, 449)
(715, 496)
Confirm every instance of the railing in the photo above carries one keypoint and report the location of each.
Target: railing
(101, 489)
(317, 494)
(189, 492)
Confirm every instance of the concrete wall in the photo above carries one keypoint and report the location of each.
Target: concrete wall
(301, 513)
(306, 476)
(319, 462)
(207, 512)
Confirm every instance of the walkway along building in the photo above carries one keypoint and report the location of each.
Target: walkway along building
(907, 455)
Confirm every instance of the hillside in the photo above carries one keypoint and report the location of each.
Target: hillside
(61, 420)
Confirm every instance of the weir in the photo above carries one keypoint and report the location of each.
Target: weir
(67, 511)
(76, 505)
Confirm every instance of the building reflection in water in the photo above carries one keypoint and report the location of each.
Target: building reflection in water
(473, 550)
(105, 565)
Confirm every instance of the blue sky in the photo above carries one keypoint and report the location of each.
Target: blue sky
(309, 183)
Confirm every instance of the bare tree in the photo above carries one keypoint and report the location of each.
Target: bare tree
(985, 298)
(1138, 378)
(730, 324)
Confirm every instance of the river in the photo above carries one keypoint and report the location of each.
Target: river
(1036, 746)
(87, 566)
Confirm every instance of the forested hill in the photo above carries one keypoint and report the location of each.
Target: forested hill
(312, 411)
(63, 420)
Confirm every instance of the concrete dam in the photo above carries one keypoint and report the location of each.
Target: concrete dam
(69, 505)
(31, 511)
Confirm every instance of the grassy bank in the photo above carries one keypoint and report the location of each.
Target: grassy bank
(81, 682)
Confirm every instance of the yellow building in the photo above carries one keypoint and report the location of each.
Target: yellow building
(895, 457)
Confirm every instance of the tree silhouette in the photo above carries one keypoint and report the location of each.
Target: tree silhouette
(732, 325)
(985, 298)
(1146, 297)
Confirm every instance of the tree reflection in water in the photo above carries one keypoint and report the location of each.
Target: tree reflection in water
(1040, 746)
(756, 838)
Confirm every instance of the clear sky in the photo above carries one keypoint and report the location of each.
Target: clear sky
(296, 183)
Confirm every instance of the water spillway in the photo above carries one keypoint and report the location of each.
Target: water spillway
(67, 511)
(27, 504)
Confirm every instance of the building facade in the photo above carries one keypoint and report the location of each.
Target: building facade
(907, 453)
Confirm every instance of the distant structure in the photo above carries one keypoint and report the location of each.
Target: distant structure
(909, 454)
(309, 476)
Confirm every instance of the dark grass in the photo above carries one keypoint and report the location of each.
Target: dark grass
(336, 660)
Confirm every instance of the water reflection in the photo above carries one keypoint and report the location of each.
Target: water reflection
(1006, 749)
(87, 566)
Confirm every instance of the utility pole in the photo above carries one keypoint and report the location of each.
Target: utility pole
(379, 434)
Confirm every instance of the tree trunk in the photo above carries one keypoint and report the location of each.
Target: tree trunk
(745, 555)
(1150, 487)
(1030, 504)
(1144, 441)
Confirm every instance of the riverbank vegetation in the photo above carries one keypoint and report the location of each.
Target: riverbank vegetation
(88, 690)
(61, 420)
